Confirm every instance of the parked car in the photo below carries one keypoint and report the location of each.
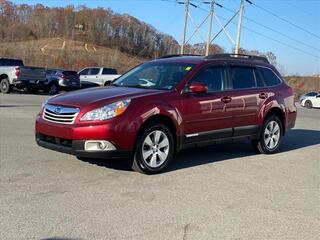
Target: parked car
(13, 73)
(60, 79)
(192, 101)
(310, 100)
(98, 76)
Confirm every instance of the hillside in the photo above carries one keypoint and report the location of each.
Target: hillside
(57, 52)
(303, 84)
(74, 55)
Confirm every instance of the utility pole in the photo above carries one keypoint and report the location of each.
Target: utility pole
(237, 46)
(185, 26)
(210, 26)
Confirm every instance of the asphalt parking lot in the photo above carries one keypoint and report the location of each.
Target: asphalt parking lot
(217, 192)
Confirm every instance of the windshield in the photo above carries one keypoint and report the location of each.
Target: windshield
(164, 76)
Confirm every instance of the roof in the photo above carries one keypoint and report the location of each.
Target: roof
(196, 59)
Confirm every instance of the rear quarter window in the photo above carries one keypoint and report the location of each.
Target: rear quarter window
(269, 77)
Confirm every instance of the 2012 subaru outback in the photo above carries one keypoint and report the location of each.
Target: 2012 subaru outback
(165, 105)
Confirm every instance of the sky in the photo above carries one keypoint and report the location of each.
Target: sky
(296, 44)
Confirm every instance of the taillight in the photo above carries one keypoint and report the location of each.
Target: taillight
(290, 90)
(64, 77)
(17, 71)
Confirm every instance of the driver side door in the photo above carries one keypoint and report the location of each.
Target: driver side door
(208, 115)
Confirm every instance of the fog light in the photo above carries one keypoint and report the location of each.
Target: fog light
(98, 145)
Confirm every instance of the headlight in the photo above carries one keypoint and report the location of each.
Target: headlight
(106, 112)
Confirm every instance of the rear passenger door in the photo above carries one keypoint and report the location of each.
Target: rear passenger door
(245, 99)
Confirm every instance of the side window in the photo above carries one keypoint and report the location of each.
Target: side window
(109, 71)
(312, 94)
(213, 77)
(259, 78)
(16, 63)
(269, 77)
(242, 77)
(84, 71)
(94, 71)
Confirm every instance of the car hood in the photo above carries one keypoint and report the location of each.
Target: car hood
(100, 95)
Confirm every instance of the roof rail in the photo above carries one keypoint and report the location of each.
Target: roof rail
(237, 57)
(178, 55)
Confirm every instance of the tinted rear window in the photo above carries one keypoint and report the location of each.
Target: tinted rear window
(269, 78)
(69, 73)
(242, 77)
(10, 62)
(109, 71)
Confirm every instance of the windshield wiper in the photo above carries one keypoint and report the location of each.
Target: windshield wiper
(137, 86)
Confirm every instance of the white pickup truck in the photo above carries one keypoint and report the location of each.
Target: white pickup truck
(14, 74)
(98, 76)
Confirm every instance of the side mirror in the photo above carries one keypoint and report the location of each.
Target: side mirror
(197, 87)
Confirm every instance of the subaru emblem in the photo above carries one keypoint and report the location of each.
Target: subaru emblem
(57, 110)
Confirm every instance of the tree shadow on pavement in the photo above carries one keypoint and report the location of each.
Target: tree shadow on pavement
(294, 139)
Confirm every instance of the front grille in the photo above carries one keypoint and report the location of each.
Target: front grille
(60, 114)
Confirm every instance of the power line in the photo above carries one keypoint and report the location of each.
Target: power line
(276, 40)
(285, 20)
(274, 30)
(270, 38)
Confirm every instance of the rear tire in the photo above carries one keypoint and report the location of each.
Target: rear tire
(270, 136)
(5, 86)
(308, 104)
(155, 148)
(53, 88)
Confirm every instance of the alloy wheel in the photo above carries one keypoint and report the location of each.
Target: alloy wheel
(272, 134)
(155, 149)
(4, 86)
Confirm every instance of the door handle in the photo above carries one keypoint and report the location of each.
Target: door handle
(263, 95)
(226, 99)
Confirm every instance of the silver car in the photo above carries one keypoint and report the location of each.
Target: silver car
(60, 79)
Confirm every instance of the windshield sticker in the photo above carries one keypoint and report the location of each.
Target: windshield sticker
(188, 68)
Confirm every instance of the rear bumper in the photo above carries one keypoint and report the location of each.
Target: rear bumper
(69, 85)
(76, 147)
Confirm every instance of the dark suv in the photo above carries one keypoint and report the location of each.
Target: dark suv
(168, 104)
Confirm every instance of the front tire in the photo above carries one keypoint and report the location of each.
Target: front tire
(270, 137)
(5, 86)
(308, 104)
(154, 150)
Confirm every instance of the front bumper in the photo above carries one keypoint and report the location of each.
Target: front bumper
(76, 147)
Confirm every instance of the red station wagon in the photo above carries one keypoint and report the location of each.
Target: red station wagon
(163, 106)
